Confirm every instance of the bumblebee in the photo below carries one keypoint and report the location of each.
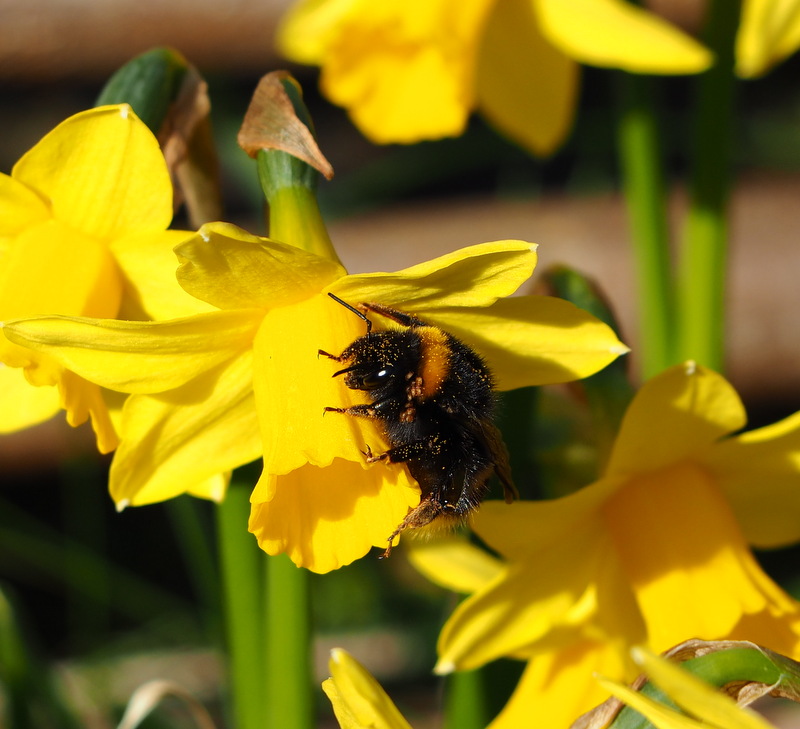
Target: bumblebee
(433, 397)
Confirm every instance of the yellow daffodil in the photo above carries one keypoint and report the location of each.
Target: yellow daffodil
(769, 32)
(83, 232)
(245, 380)
(357, 698)
(655, 552)
(409, 71)
(703, 706)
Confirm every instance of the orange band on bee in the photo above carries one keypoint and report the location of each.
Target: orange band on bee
(435, 359)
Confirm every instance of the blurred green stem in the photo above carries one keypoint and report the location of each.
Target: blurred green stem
(466, 705)
(240, 560)
(289, 699)
(703, 263)
(643, 175)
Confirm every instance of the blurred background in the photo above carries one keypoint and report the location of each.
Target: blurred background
(113, 599)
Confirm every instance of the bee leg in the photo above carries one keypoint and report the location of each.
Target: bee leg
(407, 320)
(359, 411)
(415, 449)
(328, 355)
(374, 457)
(423, 514)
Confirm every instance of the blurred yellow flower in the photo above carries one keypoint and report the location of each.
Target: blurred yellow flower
(83, 232)
(410, 71)
(357, 698)
(221, 389)
(653, 553)
(769, 33)
(704, 707)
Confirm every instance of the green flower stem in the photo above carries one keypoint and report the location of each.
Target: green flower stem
(640, 159)
(703, 264)
(290, 691)
(240, 560)
(466, 705)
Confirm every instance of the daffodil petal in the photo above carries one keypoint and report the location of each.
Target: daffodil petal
(405, 71)
(102, 172)
(19, 207)
(179, 441)
(759, 473)
(326, 518)
(149, 264)
(617, 34)
(515, 612)
(560, 684)
(695, 695)
(294, 384)
(769, 32)
(24, 404)
(453, 563)
(539, 118)
(657, 714)
(141, 357)
(678, 413)
(229, 268)
(357, 698)
(308, 28)
(533, 340)
(213, 488)
(473, 276)
(700, 584)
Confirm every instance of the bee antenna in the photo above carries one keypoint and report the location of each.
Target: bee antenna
(359, 314)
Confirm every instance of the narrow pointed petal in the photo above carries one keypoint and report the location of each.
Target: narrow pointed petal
(23, 404)
(20, 207)
(769, 32)
(405, 71)
(559, 685)
(533, 340)
(533, 109)
(102, 172)
(326, 518)
(577, 577)
(696, 696)
(150, 286)
(617, 34)
(138, 356)
(180, 441)
(758, 472)
(357, 698)
(231, 269)
(473, 276)
(453, 563)
(678, 413)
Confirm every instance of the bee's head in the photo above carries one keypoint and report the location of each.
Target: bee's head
(378, 361)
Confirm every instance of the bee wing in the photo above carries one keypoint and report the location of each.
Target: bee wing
(490, 436)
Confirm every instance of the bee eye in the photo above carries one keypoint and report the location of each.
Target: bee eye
(375, 379)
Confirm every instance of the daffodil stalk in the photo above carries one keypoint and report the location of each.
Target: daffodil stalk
(640, 156)
(289, 186)
(701, 290)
